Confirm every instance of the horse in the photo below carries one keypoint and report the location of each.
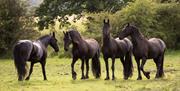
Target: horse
(34, 52)
(83, 49)
(144, 49)
(116, 48)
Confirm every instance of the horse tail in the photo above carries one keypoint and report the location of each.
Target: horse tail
(96, 66)
(128, 65)
(20, 62)
(163, 45)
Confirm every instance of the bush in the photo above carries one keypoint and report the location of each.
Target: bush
(152, 18)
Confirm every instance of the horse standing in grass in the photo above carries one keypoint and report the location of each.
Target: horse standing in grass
(33, 51)
(144, 49)
(115, 48)
(83, 49)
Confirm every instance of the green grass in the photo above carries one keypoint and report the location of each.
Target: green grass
(59, 77)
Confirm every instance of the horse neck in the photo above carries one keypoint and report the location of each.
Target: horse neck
(137, 37)
(45, 41)
(106, 38)
(76, 39)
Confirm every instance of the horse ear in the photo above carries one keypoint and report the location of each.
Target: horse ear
(53, 34)
(128, 24)
(104, 21)
(108, 21)
(64, 32)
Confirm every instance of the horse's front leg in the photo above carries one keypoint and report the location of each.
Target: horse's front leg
(112, 67)
(138, 67)
(82, 68)
(142, 68)
(72, 68)
(107, 68)
(30, 71)
(43, 63)
(87, 68)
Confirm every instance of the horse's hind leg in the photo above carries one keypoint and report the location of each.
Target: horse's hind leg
(157, 66)
(87, 68)
(161, 71)
(142, 68)
(161, 67)
(30, 71)
(107, 68)
(112, 67)
(72, 68)
(139, 70)
(82, 69)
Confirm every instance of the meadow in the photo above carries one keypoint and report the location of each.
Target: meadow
(59, 77)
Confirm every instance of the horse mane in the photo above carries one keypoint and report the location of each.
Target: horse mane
(75, 33)
(137, 30)
(42, 37)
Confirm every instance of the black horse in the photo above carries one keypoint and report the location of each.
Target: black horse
(116, 48)
(33, 51)
(145, 49)
(83, 49)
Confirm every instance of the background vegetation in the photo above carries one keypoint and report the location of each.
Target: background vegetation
(21, 19)
(30, 19)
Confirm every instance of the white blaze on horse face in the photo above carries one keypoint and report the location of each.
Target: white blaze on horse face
(40, 50)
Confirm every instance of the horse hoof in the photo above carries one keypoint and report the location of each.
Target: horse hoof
(107, 78)
(45, 79)
(74, 75)
(20, 79)
(82, 78)
(139, 78)
(27, 79)
(125, 78)
(86, 77)
(147, 75)
(113, 78)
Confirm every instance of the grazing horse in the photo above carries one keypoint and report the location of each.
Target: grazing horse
(116, 48)
(83, 49)
(144, 49)
(32, 51)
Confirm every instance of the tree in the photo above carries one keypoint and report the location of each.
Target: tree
(51, 9)
(10, 13)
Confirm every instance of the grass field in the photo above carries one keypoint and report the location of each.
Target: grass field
(59, 77)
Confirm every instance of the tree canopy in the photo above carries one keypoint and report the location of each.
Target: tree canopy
(51, 9)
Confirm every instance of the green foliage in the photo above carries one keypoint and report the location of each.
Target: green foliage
(10, 13)
(168, 16)
(60, 78)
(152, 18)
(61, 9)
(13, 23)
